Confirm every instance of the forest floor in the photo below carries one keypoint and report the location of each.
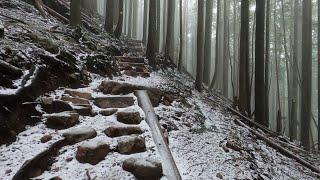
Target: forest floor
(205, 141)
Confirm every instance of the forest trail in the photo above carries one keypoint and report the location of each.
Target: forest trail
(72, 111)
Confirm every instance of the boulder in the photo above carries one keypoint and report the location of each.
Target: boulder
(46, 138)
(84, 110)
(75, 100)
(108, 112)
(61, 120)
(131, 144)
(114, 102)
(143, 168)
(79, 94)
(92, 152)
(79, 134)
(129, 117)
(116, 131)
(55, 106)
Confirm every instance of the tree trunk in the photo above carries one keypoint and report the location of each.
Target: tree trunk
(109, 17)
(170, 29)
(151, 51)
(75, 13)
(145, 22)
(318, 75)
(118, 30)
(130, 18)
(207, 43)
(267, 56)
(90, 6)
(259, 65)
(158, 25)
(306, 73)
(226, 54)
(244, 96)
(200, 45)
(181, 37)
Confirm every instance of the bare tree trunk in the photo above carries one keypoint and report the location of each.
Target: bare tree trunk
(200, 45)
(226, 53)
(181, 37)
(151, 51)
(259, 65)
(266, 72)
(145, 22)
(90, 6)
(318, 75)
(306, 73)
(75, 12)
(109, 17)
(118, 30)
(131, 19)
(170, 29)
(158, 25)
(244, 96)
(207, 43)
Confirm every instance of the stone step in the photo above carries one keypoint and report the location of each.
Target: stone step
(131, 59)
(116, 131)
(131, 64)
(92, 152)
(61, 120)
(129, 117)
(143, 168)
(131, 145)
(78, 94)
(78, 134)
(114, 102)
(75, 100)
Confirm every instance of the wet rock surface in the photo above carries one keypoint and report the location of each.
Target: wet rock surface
(75, 100)
(55, 106)
(79, 94)
(116, 131)
(114, 102)
(92, 152)
(84, 110)
(143, 168)
(108, 112)
(61, 120)
(79, 134)
(129, 117)
(131, 144)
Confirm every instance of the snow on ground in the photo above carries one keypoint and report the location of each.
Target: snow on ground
(199, 131)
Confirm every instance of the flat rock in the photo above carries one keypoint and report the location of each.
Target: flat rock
(79, 134)
(115, 88)
(143, 168)
(92, 152)
(129, 117)
(55, 106)
(131, 144)
(84, 110)
(75, 100)
(116, 131)
(61, 120)
(108, 112)
(114, 102)
(79, 94)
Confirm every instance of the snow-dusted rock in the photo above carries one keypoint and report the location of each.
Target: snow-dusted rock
(129, 117)
(46, 138)
(114, 102)
(55, 106)
(79, 94)
(79, 134)
(143, 168)
(92, 152)
(75, 100)
(84, 110)
(116, 131)
(131, 144)
(108, 112)
(61, 120)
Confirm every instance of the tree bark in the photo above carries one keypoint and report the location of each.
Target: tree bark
(145, 22)
(306, 73)
(226, 52)
(244, 96)
(259, 65)
(200, 45)
(170, 30)
(109, 17)
(75, 12)
(118, 30)
(181, 37)
(207, 43)
(151, 51)
(267, 56)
